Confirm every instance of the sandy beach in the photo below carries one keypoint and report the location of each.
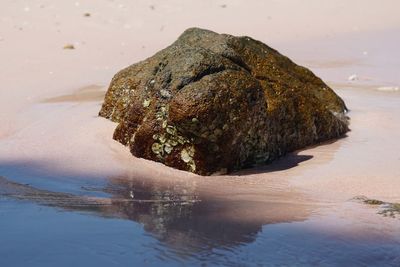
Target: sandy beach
(52, 140)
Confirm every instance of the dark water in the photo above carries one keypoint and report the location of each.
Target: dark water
(122, 222)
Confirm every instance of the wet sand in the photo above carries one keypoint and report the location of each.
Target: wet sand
(56, 153)
(85, 94)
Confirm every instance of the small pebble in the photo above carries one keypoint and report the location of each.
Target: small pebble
(388, 88)
(69, 46)
(353, 77)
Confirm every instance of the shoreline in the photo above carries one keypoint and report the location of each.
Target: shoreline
(304, 170)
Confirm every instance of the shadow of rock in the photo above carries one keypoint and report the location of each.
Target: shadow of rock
(90, 93)
(293, 159)
(289, 161)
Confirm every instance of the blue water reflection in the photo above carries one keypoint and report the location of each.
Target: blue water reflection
(146, 224)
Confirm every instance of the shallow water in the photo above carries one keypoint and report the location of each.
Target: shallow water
(121, 222)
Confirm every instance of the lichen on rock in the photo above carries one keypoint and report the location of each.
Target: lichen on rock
(212, 102)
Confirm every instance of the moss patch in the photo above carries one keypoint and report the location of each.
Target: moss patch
(386, 209)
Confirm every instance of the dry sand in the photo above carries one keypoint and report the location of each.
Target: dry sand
(50, 96)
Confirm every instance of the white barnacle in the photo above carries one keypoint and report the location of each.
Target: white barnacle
(164, 93)
(163, 110)
(191, 151)
(132, 138)
(185, 156)
(146, 103)
(192, 166)
(180, 139)
(157, 148)
(162, 139)
(159, 116)
(173, 142)
(171, 130)
(168, 148)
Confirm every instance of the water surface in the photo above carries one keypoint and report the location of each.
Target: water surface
(132, 222)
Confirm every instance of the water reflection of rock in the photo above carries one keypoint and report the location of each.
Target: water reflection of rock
(178, 214)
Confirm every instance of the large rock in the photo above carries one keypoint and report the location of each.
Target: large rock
(215, 102)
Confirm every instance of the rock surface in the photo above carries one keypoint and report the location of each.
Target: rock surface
(217, 103)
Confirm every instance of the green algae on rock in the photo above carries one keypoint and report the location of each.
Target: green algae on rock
(387, 209)
(212, 102)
